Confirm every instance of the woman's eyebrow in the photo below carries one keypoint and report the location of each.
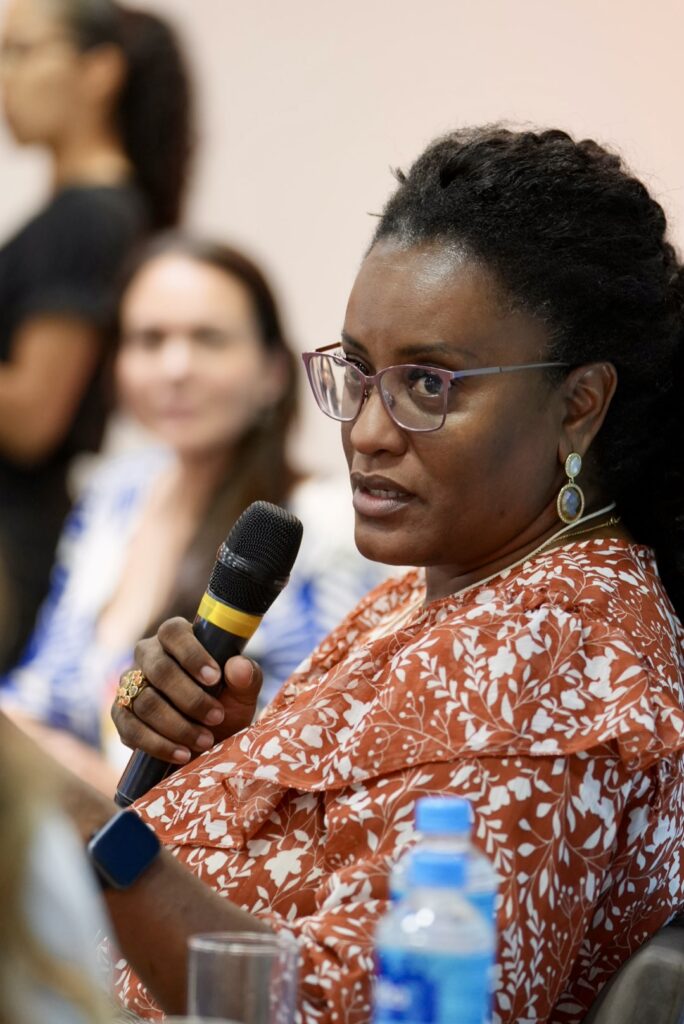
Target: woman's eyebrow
(422, 350)
(347, 338)
(425, 350)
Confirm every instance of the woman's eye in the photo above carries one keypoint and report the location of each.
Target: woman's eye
(425, 383)
(144, 339)
(213, 337)
(357, 364)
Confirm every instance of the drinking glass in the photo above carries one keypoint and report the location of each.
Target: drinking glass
(246, 977)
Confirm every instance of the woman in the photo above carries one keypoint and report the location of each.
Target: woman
(103, 90)
(534, 665)
(204, 367)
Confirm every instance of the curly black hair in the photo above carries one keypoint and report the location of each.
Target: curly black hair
(577, 241)
(154, 110)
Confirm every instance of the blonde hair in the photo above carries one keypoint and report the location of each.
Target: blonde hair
(23, 960)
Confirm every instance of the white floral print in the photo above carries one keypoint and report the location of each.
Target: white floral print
(550, 697)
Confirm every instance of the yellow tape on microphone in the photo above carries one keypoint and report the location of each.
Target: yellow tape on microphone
(229, 619)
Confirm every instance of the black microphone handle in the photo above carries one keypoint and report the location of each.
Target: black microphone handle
(144, 771)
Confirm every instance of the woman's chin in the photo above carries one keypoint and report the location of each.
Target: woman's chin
(380, 545)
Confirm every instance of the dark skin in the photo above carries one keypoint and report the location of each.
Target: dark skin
(483, 488)
(478, 495)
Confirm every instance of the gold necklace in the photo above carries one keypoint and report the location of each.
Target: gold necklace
(613, 521)
(407, 613)
(562, 533)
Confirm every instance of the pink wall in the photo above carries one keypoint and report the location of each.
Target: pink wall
(305, 104)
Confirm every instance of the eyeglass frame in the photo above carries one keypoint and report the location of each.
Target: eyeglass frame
(372, 380)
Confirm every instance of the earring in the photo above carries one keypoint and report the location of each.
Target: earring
(570, 502)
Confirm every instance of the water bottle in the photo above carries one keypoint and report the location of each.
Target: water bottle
(444, 824)
(434, 951)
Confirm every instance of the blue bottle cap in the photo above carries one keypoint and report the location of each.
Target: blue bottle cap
(436, 870)
(443, 815)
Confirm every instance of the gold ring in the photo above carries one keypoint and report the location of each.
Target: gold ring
(131, 686)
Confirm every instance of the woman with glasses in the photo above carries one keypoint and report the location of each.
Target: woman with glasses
(508, 386)
(103, 90)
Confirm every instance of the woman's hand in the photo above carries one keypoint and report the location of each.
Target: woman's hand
(174, 718)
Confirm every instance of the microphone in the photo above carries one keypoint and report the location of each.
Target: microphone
(252, 566)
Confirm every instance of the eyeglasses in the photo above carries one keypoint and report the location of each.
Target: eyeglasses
(416, 397)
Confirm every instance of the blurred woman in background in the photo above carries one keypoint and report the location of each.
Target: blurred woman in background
(103, 90)
(203, 364)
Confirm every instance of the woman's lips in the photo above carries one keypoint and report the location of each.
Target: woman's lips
(177, 412)
(378, 501)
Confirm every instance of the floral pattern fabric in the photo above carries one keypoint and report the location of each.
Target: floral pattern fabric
(550, 697)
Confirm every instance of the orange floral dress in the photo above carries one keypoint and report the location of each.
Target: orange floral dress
(550, 697)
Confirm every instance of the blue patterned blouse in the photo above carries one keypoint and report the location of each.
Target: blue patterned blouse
(66, 677)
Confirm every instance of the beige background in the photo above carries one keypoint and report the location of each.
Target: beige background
(305, 104)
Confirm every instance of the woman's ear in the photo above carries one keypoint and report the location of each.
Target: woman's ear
(105, 69)
(588, 392)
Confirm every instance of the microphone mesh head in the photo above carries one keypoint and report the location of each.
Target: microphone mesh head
(268, 536)
(255, 560)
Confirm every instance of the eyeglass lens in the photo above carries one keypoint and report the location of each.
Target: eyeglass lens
(414, 396)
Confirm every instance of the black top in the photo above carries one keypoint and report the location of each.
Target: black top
(65, 260)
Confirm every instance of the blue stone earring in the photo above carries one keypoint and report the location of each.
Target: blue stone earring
(570, 503)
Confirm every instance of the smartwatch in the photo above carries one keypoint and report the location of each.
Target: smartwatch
(123, 849)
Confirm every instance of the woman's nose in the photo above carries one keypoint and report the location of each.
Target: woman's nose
(176, 356)
(374, 429)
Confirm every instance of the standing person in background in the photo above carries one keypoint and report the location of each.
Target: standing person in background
(103, 89)
(203, 364)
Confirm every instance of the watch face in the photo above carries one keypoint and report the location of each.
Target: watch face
(123, 849)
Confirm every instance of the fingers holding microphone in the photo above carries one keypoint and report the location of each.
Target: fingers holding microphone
(243, 679)
(163, 708)
(252, 566)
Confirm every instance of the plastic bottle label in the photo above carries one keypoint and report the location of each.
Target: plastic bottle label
(415, 987)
